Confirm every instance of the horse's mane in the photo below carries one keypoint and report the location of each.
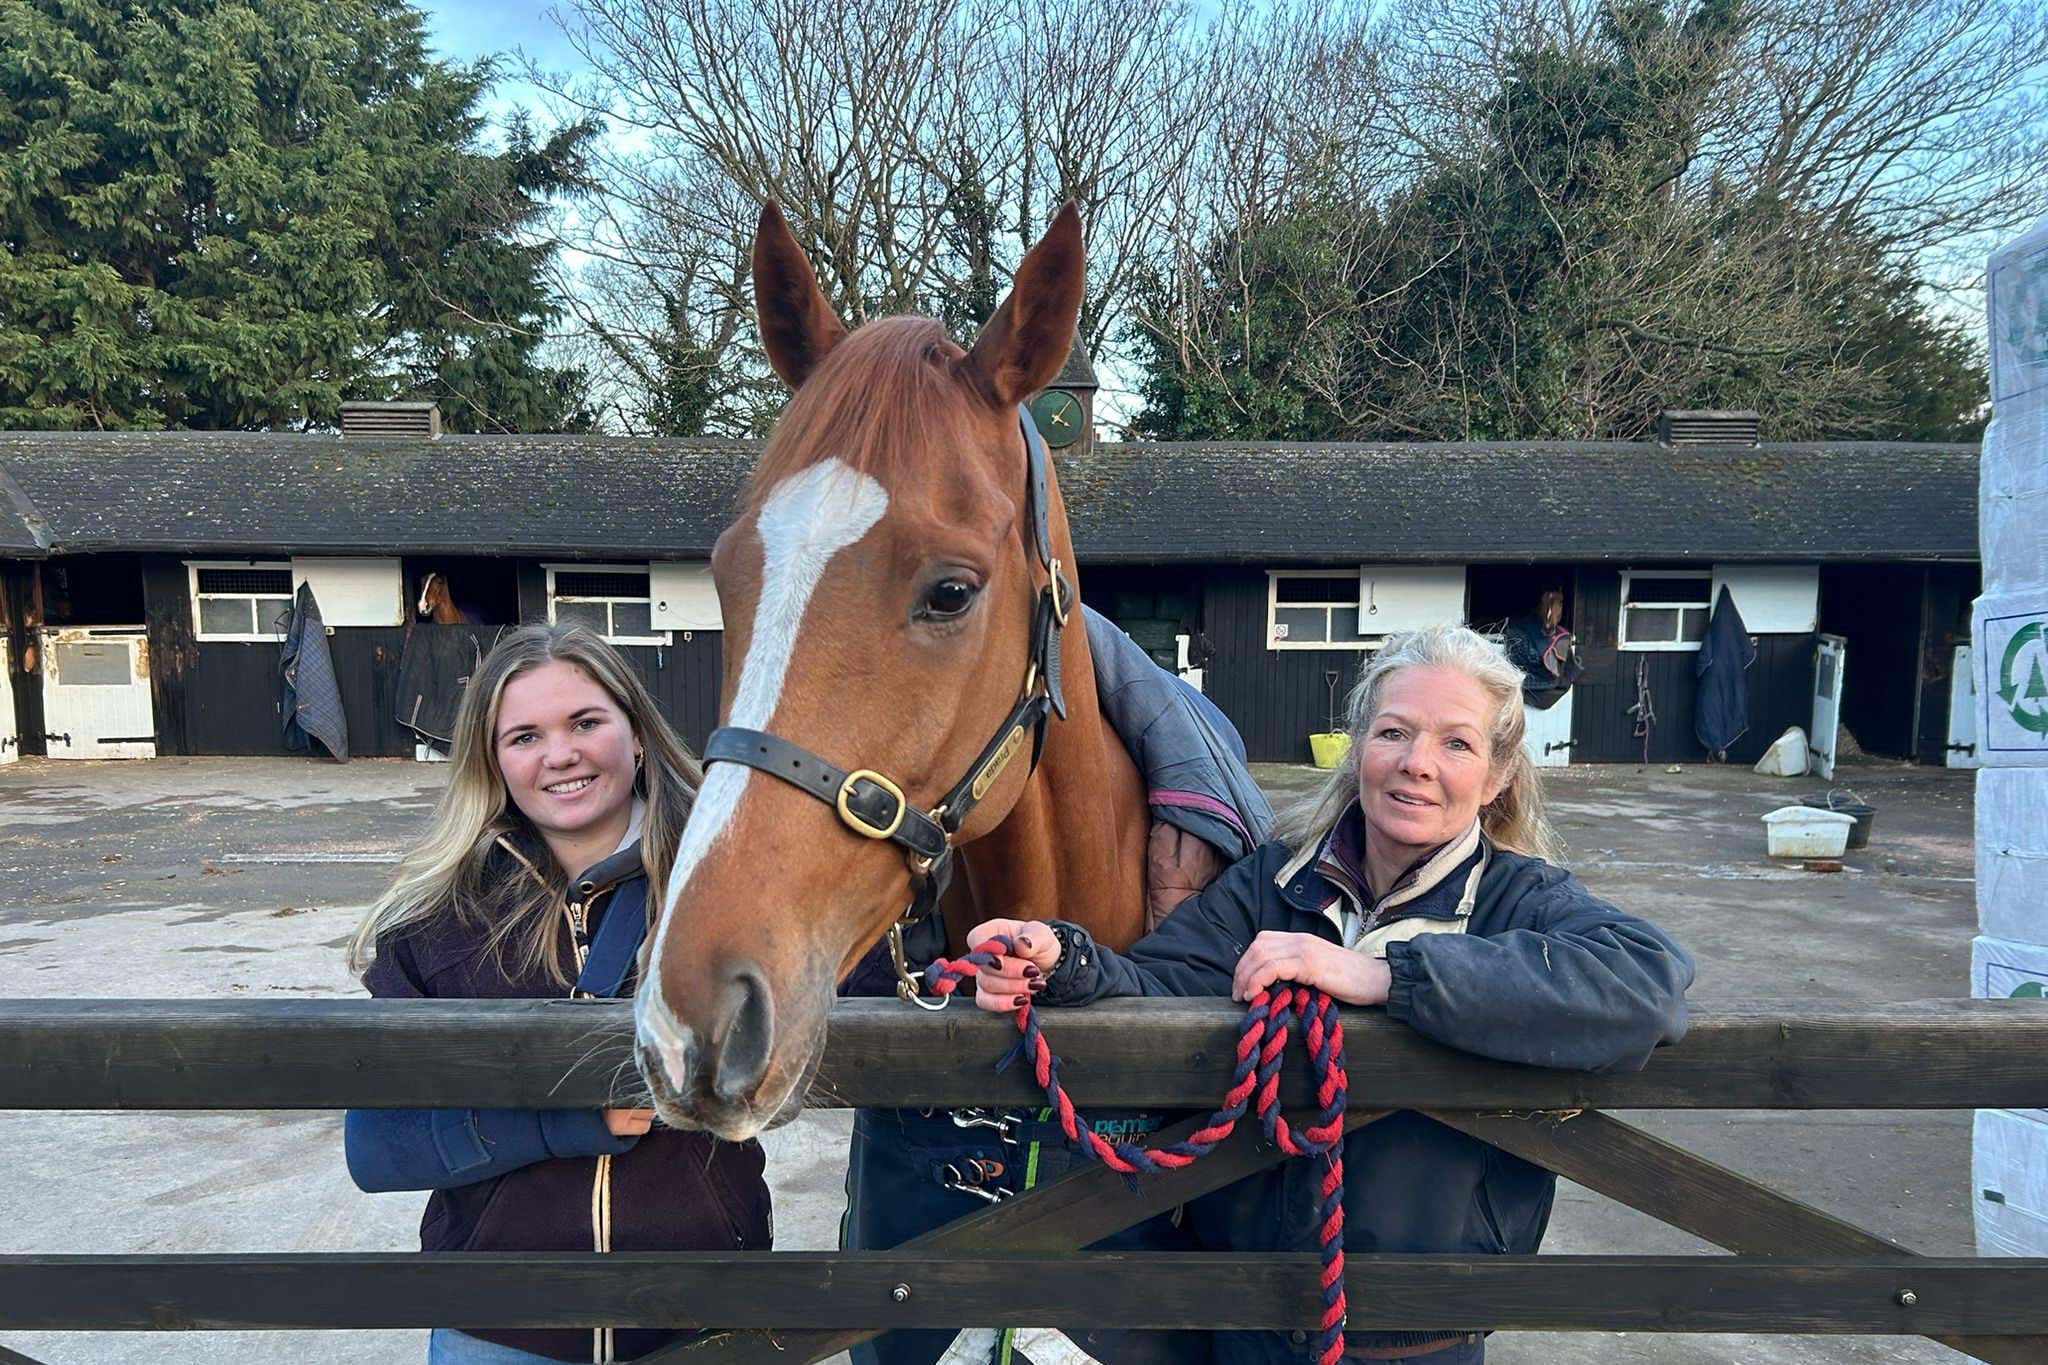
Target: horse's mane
(884, 392)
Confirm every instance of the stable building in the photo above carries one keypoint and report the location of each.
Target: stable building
(145, 577)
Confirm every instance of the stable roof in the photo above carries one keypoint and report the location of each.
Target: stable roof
(598, 497)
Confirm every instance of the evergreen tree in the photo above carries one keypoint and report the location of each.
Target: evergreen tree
(1570, 265)
(237, 213)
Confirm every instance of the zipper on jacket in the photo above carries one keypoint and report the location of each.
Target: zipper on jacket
(603, 1347)
(602, 1344)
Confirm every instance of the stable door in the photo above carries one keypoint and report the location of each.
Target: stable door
(96, 701)
(1962, 712)
(1548, 739)
(10, 739)
(1827, 704)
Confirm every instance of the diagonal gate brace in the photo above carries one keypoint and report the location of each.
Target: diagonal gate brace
(1084, 1205)
(1709, 1201)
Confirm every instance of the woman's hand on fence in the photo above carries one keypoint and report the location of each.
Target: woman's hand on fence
(628, 1122)
(1019, 974)
(1352, 978)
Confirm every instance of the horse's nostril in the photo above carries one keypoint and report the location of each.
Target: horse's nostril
(745, 1035)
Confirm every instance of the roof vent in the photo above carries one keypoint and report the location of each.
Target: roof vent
(421, 421)
(1706, 427)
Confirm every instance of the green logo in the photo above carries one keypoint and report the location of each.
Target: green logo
(2022, 686)
(2028, 990)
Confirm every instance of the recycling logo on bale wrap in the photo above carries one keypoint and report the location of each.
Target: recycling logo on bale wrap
(2022, 685)
(2013, 654)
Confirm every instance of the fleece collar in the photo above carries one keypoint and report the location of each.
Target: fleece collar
(1328, 878)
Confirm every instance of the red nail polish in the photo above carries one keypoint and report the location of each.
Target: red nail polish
(1031, 971)
(1021, 1001)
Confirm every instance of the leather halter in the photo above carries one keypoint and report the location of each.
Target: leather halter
(874, 807)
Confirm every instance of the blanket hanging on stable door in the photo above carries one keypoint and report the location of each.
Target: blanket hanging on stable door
(312, 693)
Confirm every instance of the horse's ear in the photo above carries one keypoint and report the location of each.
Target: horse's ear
(1024, 345)
(798, 327)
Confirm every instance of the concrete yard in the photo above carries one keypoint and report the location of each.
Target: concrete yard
(184, 878)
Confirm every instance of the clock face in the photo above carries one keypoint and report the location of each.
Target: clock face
(1058, 415)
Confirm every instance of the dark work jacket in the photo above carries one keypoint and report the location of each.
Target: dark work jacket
(522, 1179)
(1544, 974)
(1721, 706)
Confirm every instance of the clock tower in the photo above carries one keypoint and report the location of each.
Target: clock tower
(1065, 409)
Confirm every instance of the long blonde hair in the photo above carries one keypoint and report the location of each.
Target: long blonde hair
(481, 860)
(1514, 819)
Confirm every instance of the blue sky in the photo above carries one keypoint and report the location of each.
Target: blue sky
(464, 30)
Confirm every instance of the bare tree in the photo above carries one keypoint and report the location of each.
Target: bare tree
(1921, 123)
(917, 149)
(1527, 217)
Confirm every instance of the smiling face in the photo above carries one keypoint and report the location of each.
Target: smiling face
(567, 754)
(1424, 768)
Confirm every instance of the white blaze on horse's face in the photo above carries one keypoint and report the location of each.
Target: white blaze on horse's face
(810, 517)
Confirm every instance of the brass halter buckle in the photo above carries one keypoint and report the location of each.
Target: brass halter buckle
(860, 825)
(1062, 605)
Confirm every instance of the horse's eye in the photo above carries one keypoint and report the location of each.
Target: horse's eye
(947, 598)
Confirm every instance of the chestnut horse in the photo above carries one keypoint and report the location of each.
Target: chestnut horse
(437, 603)
(897, 597)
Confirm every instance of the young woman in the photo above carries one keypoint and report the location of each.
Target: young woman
(1417, 880)
(566, 798)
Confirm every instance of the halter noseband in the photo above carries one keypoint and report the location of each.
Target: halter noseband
(874, 807)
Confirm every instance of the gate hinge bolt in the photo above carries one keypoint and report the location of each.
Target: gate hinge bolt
(900, 1293)
(1907, 1298)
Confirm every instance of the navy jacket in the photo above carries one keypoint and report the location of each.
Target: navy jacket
(1721, 707)
(523, 1179)
(1544, 973)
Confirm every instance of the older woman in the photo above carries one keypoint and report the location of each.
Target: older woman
(1417, 879)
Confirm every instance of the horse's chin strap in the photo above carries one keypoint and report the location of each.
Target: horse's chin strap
(874, 807)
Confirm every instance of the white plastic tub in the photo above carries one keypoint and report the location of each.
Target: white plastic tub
(1805, 832)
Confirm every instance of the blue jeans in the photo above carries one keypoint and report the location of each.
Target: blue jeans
(450, 1347)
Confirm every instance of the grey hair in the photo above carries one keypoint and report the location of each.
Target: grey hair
(1514, 819)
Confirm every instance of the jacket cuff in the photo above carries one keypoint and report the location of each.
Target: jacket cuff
(1065, 981)
(1407, 976)
(581, 1132)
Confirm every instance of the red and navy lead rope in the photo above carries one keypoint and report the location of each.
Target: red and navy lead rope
(1255, 1085)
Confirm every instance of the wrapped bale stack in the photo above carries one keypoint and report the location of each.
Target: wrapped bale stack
(2009, 958)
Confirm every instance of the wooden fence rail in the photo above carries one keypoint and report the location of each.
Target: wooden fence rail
(1798, 1270)
(333, 1054)
(814, 1290)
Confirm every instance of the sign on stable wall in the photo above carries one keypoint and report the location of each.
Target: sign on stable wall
(2011, 663)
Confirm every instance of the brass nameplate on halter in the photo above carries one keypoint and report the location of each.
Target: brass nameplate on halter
(1011, 744)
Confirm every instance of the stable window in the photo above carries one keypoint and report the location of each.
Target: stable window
(245, 602)
(1665, 609)
(1314, 609)
(612, 599)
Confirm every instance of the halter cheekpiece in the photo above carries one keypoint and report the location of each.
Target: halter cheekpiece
(873, 806)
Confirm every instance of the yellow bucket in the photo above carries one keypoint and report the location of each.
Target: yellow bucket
(1329, 749)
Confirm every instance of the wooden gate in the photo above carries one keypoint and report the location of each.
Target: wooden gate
(1796, 1269)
